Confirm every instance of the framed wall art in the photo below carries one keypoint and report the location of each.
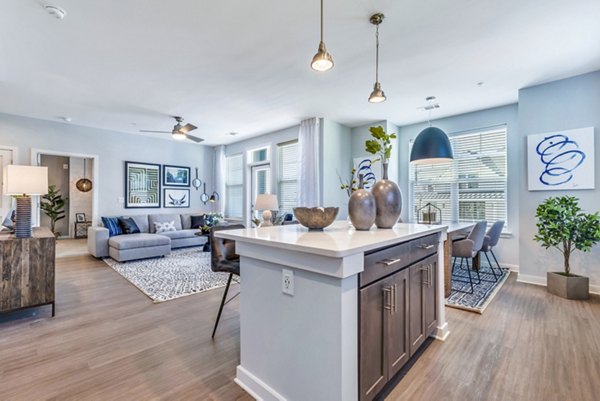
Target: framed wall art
(142, 185)
(177, 198)
(562, 160)
(176, 176)
(370, 168)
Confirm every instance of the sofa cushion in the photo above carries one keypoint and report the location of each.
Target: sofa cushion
(164, 218)
(112, 223)
(180, 234)
(141, 220)
(164, 227)
(128, 225)
(197, 221)
(141, 240)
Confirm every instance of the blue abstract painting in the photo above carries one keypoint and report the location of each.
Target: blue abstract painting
(561, 160)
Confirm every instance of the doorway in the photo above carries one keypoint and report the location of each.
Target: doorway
(260, 184)
(7, 156)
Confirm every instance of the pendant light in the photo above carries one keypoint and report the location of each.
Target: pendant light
(432, 145)
(214, 197)
(377, 96)
(83, 184)
(322, 61)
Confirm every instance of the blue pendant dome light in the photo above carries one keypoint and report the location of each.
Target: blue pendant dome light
(432, 145)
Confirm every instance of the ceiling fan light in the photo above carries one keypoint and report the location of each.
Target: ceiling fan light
(178, 135)
(431, 146)
(377, 96)
(322, 61)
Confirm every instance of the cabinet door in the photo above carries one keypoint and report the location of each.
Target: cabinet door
(430, 293)
(397, 336)
(416, 290)
(372, 354)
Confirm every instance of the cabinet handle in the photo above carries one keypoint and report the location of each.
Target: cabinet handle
(427, 281)
(389, 262)
(394, 299)
(426, 247)
(387, 305)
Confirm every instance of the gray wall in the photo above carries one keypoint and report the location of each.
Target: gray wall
(59, 177)
(508, 247)
(113, 149)
(336, 157)
(560, 105)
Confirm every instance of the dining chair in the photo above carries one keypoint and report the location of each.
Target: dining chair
(489, 242)
(224, 260)
(468, 248)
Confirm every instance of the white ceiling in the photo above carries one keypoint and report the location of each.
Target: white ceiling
(243, 66)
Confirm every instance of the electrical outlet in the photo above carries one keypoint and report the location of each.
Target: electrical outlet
(287, 282)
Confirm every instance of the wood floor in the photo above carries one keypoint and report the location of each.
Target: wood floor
(108, 341)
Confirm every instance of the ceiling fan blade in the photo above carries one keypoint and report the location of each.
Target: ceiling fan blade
(187, 128)
(156, 132)
(194, 138)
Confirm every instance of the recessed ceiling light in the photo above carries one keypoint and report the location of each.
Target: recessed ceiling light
(55, 11)
(233, 133)
(480, 83)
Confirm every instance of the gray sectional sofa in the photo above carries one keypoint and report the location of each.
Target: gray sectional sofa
(146, 243)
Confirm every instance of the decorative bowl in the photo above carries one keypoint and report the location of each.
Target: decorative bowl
(316, 218)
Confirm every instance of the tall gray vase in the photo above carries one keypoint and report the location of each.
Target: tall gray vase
(388, 201)
(361, 207)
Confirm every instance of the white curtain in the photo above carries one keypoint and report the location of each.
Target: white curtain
(309, 179)
(219, 178)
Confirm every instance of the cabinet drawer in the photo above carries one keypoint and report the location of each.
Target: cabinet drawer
(422, 247)
(384, 262)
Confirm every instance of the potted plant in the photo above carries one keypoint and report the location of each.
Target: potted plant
(53, 205)
(562, 225)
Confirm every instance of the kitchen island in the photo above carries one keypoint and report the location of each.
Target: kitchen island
(306, 332)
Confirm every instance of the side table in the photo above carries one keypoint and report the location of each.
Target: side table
(206, 247)
(81, 228)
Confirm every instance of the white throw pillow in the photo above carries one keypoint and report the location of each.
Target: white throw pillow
(164, 227)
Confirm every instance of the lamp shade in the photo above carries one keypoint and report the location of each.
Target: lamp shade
(430, 147)
(266, 202)
(28, 180)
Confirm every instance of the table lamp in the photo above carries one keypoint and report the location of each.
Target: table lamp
(266, 202)
(23, 181)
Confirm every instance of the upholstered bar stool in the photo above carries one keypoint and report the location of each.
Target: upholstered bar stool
(467, 249)
(489, 242)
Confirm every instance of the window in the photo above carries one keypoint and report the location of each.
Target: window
(259, 155)
(234, 187)
(470, 188)
(288, 175)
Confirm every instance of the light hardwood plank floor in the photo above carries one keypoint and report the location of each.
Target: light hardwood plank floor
(108, 341)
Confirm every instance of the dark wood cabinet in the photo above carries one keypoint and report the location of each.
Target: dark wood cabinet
(397, 311)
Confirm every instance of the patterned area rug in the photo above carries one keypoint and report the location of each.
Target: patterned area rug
(183, 272)
(483, 293)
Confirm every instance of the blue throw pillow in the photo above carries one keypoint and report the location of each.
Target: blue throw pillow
(128, 225)
(112, 223)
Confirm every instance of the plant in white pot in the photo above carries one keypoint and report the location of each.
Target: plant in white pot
(563, 225)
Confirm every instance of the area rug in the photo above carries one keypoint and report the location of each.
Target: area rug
(183, 272)
(483, 293)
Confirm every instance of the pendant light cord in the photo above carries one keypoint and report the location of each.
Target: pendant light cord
(377, 54)
(321, 20)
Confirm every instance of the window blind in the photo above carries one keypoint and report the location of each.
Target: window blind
(470, 188)
(288, 176)
(234, 187)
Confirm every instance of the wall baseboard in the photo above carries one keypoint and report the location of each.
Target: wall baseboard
(537, 280)
(512, 268)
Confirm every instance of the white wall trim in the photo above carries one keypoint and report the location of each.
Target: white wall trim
(512, 268)
(35, 152)
(536, 280)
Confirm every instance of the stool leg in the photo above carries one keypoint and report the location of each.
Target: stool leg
(222, 303)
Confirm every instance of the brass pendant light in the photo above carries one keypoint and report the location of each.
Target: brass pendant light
(83, 184)
(322, 61)
(377, 96)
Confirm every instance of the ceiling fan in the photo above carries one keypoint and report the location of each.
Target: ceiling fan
(179, 132)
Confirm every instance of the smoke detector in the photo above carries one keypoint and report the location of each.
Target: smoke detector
(55, 11)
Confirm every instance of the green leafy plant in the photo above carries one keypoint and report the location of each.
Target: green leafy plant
(53, 205)
(562, 224)
(381, 144)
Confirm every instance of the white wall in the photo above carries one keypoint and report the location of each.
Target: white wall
(336, 157)
(560, 105)
(113, 149)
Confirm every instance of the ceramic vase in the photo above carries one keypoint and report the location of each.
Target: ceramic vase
(361, 207)
(388, 201)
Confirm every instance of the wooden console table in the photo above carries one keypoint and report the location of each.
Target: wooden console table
(27, 270)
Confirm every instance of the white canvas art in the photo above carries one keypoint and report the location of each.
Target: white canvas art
(562, 160)
(371, 170)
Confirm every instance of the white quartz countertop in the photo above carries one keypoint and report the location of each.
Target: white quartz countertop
(338, 240)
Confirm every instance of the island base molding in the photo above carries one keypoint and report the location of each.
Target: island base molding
(256, 387)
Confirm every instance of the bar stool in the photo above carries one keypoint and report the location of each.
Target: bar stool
(490, 241)
(467, 249)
